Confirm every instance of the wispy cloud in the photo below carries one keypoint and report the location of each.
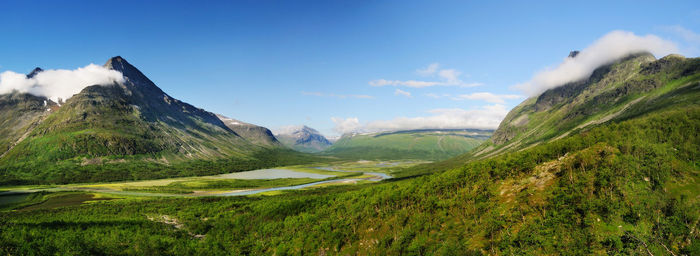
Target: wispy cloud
(445, 77)
(402, 92)
(346, 125)
(429, 70)
(340, 96)
(607, 49)
(483, 96)
(687, 34)
(486, 117)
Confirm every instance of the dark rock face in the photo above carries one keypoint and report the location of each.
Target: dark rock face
(156, 105)
(573, 54)
(34, 72)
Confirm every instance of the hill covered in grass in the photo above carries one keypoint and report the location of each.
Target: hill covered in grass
(411, 144)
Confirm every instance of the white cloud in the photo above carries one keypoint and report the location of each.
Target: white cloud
(484, 96)
(450, 75)
(346, 125)
(607, 49)
(433, 95)
(340, 96)
(447, 77)
(686, 34)
(487, 117)
(287, 129)
(402, 92)
(488, 97)
(429, 70)
(59, 83)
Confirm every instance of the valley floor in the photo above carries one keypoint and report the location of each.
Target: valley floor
(264, 181)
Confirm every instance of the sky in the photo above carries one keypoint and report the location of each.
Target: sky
(344, 66)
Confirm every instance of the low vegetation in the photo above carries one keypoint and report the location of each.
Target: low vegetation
(626, 187)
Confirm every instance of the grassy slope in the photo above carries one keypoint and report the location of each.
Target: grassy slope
(623, 187)
(631, 81)
(675, 82)
(428, 145)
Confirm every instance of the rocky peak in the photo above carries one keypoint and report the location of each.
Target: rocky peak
(573, 54)
(34, 72)
(130, 72)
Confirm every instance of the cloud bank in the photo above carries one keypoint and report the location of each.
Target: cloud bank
(605, 50)
(59, 83)
(487, 117)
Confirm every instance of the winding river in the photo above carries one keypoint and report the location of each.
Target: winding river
(255, 174)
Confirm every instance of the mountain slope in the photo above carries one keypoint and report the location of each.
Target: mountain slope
(303, 139)
(132, 125)
(412, 144)
(257, 135)
(611, 92)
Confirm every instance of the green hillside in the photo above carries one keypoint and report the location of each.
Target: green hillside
(612, 91)
(414, 144)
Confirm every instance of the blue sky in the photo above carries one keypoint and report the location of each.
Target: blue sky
(277, 63)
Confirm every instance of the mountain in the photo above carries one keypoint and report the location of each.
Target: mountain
(108, 132)
(303, 139)
(613, 91)
(255, 134)
(432, 144)
(628, 87)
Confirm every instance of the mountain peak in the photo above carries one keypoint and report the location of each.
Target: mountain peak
(132, 74)
(303, 138)
(118, 63)
(34, 72)
(573, 54)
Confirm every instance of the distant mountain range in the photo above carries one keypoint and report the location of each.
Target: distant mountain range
(107, 131)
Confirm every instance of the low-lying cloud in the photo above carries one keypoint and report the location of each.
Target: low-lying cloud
(58, 83)
(605, 50)
(487, 117)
